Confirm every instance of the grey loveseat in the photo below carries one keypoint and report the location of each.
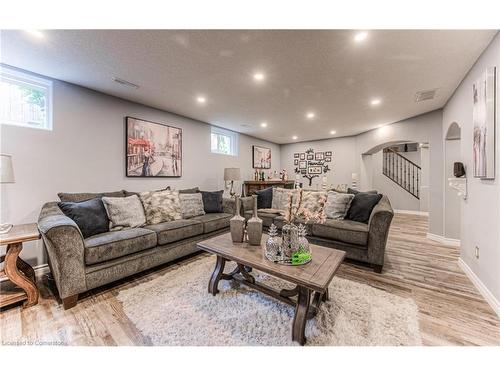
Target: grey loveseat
(361, 242)
(79, 264)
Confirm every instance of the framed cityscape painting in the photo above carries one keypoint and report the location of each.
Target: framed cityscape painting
(152, 149)
(261, 158)
(483, 121)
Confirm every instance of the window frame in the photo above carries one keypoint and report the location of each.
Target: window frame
(26, 79)
(234, 149)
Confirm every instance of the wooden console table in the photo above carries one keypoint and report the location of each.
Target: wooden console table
(20, 273)
(250, 187)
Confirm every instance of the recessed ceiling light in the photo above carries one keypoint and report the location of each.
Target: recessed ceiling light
(259, 76)
(359, 37)
(310, 115)
(36, 33)
(332, 132)
(375, 102)
(201, 99)
(295, 137)
(263, 124)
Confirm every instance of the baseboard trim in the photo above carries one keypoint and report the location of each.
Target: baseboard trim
(410, 212)
(488, 296)
(40, 270)
(443, 240)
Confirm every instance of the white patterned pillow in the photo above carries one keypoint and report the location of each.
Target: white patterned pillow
(124, 212)
(337, 205)
(312, 201)
(161, 206)
(281, 198)
(191, 205)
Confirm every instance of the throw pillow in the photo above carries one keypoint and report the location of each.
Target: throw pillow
(124, 212)
(312, 201)
(80, 197)
(337, 205)
(362, 207)
(281, 198)
(354, 191)
(89, 215)
(161, 206)
(264, 198)
(190, 191)
(191, 205)
(212, 201)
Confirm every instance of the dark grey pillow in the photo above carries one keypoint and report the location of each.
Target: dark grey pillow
(362, 207)
(265, 198)
(129, 193)
(354, 191)
(90, 216)
(194, 190)
(80, 197)
(212, 201)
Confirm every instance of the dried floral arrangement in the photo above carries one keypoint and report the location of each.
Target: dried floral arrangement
(298, 210)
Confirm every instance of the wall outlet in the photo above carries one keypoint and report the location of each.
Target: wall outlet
(476, 252)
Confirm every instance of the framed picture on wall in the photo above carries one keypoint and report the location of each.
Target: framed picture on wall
(302, 164)
(317, 169)
(328, 160)
(261, 157)
(303, 171)
(310, 156)
(319, 155)
(328, 153)
(296, 162)
(296, 156)
(152, 149)
(302, 156)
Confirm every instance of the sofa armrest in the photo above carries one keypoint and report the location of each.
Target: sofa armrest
(64, 244)
(229, 205)
(378, 226)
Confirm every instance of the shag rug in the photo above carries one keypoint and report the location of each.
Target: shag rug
(176, 309)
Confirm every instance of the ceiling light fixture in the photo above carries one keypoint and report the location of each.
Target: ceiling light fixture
(359, 37)
(259, 76)
(36, 33)
(332, 132)
(295, 137)
(375, 102)
(263, 125)
(201, 99)
(310, 115)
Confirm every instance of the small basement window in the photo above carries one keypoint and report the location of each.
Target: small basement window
(25, 100)
(224, 141)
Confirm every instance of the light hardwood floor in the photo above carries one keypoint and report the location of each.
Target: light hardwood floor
(451, 311)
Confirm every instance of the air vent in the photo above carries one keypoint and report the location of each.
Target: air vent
(425, 95)
(125, 83)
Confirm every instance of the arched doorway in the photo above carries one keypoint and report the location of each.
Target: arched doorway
(452, 202)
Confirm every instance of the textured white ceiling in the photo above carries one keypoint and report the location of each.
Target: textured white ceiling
(306, 70)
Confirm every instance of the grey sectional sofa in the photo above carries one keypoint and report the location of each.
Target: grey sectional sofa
(79, 264)
(362, 242)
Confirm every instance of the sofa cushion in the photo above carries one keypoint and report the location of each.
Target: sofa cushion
(266, 216)
(362, 206)
(124, 212)
(80, 197)
(214, 221)
(264, 198)
(191, 205)
(90, 216)
(281, 198)
(354, 191)
(111, 245)
(161, 206)
(312, 202)
(176, 230)
(342, 230)
(190, 191)
(337, 205)
(212, 201)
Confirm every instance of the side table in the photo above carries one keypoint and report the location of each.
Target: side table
(20, 273)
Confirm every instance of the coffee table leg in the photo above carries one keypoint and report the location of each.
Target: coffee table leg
(216, 275)
(299, 320)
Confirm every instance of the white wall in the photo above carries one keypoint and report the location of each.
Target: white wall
(481, 211)
(452, 214)
(85, 153)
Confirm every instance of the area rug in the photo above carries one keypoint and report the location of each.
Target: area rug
(176, 309)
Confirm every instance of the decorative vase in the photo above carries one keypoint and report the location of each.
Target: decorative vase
(237, 224)
(273, 249)
(290, 242)
(254, 226)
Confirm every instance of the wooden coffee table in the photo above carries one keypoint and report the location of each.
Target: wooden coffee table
(311, 279)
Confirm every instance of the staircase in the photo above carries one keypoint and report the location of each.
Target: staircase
(402, 171)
